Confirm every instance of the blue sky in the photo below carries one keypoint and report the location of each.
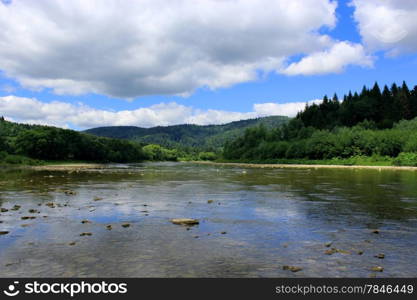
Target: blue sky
(49, 78)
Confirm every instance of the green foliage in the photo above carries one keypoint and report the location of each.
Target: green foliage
(406, 159)
(158, 153)
(207, 156)
(50, 143)
(359, 130)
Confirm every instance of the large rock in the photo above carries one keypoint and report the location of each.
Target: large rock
(184, 221)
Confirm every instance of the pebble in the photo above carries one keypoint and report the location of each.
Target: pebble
(86, 234)
(28, 218)
(377, 269)
(126, 225)
(109, 227)
(380, 256)
(292, 268)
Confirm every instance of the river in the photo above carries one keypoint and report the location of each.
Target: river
(328, 222)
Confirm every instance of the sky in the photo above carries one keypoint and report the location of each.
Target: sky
(82, 64)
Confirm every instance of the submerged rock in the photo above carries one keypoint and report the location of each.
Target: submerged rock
(3, 209)
(109, 227)
(50, 204)
(28, 218)
(86, 234)
(328, 244)
(210, 201)
(375, 231)
(70, 193)
(33, 211)
(342, 251)
(185, 221)
(16, 207)
(223, 232)
(380, 255)
(360, 252)
(126, 225)
(292, 268)
(72, 243)
(377, 269)
(330, 251)
(335, 250)
(97, 198)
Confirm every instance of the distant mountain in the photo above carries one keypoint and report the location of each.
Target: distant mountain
(207, 137)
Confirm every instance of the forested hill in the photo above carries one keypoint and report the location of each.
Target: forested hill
(208, 137)
(374, 124)
(21, 142)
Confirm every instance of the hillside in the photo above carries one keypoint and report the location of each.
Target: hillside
(208, 137)
(19, 143)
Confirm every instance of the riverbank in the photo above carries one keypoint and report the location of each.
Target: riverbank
(68, 167)
(304, 166)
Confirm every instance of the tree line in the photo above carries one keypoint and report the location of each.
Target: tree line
(51, 143)
(372, 123)
(383, 108)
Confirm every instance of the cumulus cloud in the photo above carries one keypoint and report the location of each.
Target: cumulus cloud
(128, 49)
(333, 60)
(389, 25)
(61, 114)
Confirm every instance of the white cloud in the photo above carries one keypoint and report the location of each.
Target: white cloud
(134, 48)
(333, 60)
(389, 25)
(61, 114)
(282, 109)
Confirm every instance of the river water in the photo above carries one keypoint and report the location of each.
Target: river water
(258, 221)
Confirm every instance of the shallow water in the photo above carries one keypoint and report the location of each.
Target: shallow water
(271, 218)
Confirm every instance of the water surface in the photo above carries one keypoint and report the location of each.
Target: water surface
(259, 221)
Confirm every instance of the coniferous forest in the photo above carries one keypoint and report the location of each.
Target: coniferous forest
(377, 124)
